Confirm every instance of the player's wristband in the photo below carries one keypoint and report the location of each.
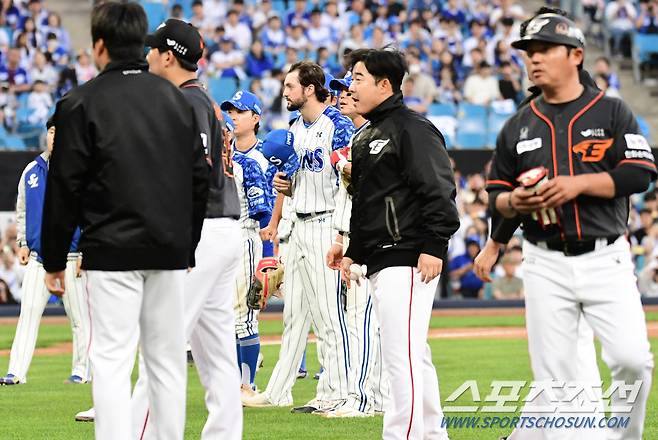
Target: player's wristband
(509, 202)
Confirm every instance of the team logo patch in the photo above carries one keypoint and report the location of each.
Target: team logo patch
(637, 142)
(592, 150)
(536, 25)
(313, 160)
(254, 192)
(33, 181)
(593, 132)
(529, 145)
(523, 133)
(377, 146)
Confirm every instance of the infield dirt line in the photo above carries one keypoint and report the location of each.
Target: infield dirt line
(435, 333)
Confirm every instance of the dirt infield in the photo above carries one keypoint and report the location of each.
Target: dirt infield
(436, 333)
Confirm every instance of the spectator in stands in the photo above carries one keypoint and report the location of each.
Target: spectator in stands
(215, 10)
(453, 39)
(271, 88)
(84, 67)
(5, 294)
(54, 50)
(503, 54)
(507, 9)
(39, 102)
(507, 32)
(646, 221)
(34, 38)
(354, 14)
(323, 59)
(261, 14)
(367, 23)
(337, 22)
(27, 51)
(478, 32)
(481, 87)
(299, 16)
(602, 67)
(297, 40)
(10, 271)
(319, 35)
(476, 56)
(455, 12)
(12, 14)
(411, 100)
(213, 42)
(650, 240)
(508, 286)
(603, 84)
(424, 84)
(647, 280)
(462, 277)
(54, 26)
(243, 14)
(651, 203)
(259, 63)
(37, 12)
(273, 37)
(620, 16)
(355, 40)
(177, 12)
(448, 91)
(416, 36)
(291, 58)
(379, 38)
(238, 31)
(199, 19)
(647, 21)
(510, 82)
(228, 61)
(13, 73)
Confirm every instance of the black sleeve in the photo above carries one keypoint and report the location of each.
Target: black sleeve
(630, 180)
(630, 146)
(502, 229)
(200, 183)
(67, 176)
(426, 164)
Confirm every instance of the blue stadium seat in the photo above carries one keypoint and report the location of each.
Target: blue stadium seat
(279, 6)
(245, 83)
(494, 125)
(467, 110)
(472, 124)
(222, 89)
(442, 109)
(645, 129)
(12, 142)
(645, 49)
(471, 140)
(156, 13)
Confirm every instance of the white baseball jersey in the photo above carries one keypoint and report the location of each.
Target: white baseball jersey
(343, 210)
(314, 184)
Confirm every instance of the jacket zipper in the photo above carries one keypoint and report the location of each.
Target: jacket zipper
(395, 230)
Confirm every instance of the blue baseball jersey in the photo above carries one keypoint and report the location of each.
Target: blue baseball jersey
(34, 185)
(253, 177)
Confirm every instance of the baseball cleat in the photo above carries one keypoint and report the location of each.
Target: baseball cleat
(10, 379)
(257, 400)
(301, 374)
(86, 416)
(190, 359)
(75, 379)
(345, 413)
(306, 409)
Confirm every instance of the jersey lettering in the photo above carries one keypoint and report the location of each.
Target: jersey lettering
(592, 150)
(312, 160)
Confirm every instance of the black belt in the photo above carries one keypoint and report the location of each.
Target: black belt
(572, 248)
(304, 216)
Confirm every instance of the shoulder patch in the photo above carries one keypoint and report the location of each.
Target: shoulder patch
(529, 145)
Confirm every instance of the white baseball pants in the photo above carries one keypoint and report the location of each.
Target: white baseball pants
(588, 370)
(311, 295)
(368, 388)
(34, 299)
(210, 328)
(126, 308)
(246, 319)
(403, 305)
(601, 287)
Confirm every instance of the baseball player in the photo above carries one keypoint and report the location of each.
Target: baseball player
(312, 292)
(366, 386)
(251, 170)
(566, 165)
(176, 47)
(29, 210)
(403, 215)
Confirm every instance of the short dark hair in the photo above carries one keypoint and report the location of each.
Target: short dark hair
(122, 27)
(311, 74)
(181, 62)
(605, 59)
(383, 63)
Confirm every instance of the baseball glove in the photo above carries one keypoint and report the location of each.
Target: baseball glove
(266, 282)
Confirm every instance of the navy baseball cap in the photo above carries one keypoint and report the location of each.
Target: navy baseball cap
(328, 77)
(341, 84)
(243, 101)
(230, 125)
(181, 38)
(551, 28)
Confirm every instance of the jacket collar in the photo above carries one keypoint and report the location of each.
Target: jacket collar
(589, 93)
(136, 64)
(381, 111)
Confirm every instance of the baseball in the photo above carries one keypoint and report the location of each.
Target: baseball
(355, 272)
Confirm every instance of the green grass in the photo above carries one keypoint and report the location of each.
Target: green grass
(44, 408)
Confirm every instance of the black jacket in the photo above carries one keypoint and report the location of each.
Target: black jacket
(403, 190)
(223, 193)
(128, 167)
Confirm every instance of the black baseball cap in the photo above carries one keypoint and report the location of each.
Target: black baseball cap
(551, 28)
(181, 38)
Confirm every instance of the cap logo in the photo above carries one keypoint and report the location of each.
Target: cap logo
(536, 25)
(562, 28)
(182, 50)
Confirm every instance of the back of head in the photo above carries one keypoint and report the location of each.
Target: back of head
(122, 27)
